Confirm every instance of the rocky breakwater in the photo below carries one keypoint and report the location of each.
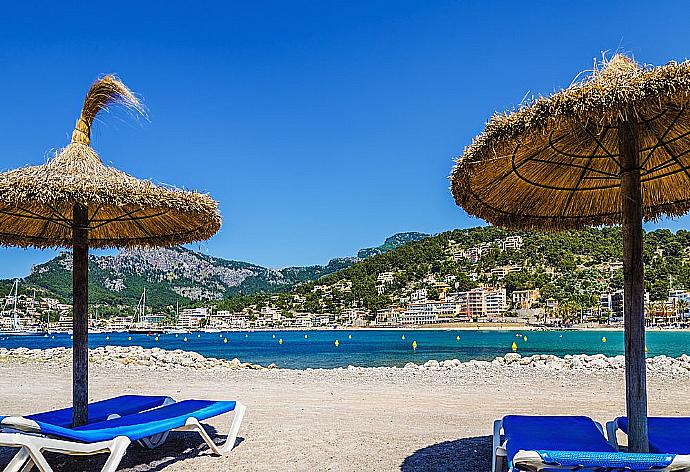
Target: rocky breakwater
(129, 356)
(678, 366)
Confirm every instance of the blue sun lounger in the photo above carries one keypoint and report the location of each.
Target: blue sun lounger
(666, 434)
(114, 425)
(551, 443)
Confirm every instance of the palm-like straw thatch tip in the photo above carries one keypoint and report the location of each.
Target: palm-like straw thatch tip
(561, 154)
(36, 202)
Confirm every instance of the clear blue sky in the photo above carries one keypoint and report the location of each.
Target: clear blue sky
(320, 127)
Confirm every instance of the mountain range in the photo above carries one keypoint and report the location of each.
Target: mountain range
(180, 274)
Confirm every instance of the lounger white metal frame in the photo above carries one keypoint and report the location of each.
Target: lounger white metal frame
(32, 445)
(534, 462)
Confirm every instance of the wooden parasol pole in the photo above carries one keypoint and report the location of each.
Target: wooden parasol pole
(80, 316)
(633, 298)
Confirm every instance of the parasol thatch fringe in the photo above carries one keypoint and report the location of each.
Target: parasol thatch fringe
(560, 153)
(103, 92)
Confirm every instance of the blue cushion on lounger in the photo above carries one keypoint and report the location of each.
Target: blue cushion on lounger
(99, 411)
(552, 433)
(141, 425)
(669, 435)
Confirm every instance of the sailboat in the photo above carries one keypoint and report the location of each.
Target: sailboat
(139, 326)
(17, 329)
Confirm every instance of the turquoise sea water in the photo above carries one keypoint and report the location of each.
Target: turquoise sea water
(369, 348)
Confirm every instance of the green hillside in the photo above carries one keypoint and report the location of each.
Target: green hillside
(572, 266)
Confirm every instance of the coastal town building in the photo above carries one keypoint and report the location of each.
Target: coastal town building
(524, 299)
(192, 318)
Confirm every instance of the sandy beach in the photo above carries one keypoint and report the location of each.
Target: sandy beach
(342, 419)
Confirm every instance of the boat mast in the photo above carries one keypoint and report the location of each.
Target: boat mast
(15, 315)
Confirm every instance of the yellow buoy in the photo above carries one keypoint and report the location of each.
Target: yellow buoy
(414, 345)
(603, 339)
(457, 338)
(225, 340)
(53, 337)
(280, 341)
(129, 338)
(176, 335)
(198, 335)
(107, 338)
(514, 346)
(274, 336)
(185, 340)
(524, 338)
(645, 348)
(403, 337)
(349, 336)
(246, 335)
(71, 337)
(337, 343)
(156, 338)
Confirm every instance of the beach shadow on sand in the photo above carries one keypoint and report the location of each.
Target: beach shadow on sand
(471, 454)
(179, 447)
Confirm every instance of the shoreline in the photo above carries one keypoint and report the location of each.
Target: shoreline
(158, 359)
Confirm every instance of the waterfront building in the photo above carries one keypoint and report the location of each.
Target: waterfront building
(524, 299)
(192, 318)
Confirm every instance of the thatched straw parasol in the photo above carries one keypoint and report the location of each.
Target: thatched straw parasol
(611, 149)
(76, 201)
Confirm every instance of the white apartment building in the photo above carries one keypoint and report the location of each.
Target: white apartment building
(190, 318)
(480, 302)
(511, 243)
(418, 295)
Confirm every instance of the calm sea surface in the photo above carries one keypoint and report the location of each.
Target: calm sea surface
(317, 349)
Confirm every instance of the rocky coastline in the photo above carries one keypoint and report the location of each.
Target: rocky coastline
(156, 358)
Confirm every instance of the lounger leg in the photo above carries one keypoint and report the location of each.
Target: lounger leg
(117, 452)
(497, 451)
(240, 410)
(38, 459)
(21, 462)
(194, 425)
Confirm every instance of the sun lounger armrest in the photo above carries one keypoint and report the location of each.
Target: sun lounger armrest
(611, 432)
(20, 424)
